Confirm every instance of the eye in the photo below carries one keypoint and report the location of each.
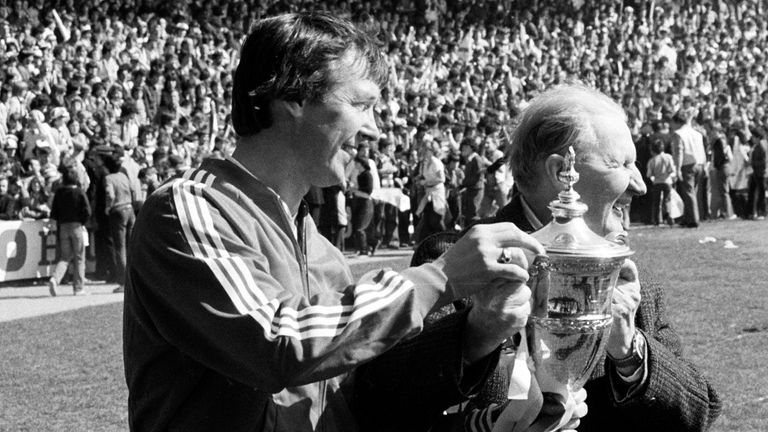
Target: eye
(363, 106)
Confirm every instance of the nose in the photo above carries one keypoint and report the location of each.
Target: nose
(636, 184)
(369, 130)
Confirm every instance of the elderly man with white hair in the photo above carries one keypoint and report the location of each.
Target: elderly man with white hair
(643, 382)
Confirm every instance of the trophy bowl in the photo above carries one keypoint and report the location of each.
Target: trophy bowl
(572, 288)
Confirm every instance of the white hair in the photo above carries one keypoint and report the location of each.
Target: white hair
(554, 120)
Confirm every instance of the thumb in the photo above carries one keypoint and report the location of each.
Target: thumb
(629, 271)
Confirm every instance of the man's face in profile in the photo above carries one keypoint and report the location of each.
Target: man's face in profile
(334, 121)
(608, 175)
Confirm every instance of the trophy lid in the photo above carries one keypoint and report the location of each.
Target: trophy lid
(568, 234)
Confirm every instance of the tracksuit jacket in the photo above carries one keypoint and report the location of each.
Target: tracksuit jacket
(238, 317)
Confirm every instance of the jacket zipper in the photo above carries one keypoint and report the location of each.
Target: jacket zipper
(301, 238)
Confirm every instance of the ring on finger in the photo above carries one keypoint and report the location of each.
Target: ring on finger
(505, 257)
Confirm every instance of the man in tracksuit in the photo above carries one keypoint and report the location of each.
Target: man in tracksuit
(239, 315)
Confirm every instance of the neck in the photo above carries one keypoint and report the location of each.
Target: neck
(539, 203)
(268, 157)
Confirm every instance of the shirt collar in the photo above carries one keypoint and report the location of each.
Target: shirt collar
(291, 215)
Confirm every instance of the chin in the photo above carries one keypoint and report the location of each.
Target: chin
(613, 225)
(331, 179)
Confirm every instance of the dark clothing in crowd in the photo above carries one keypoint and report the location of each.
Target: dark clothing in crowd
(70, 205)
(71, 211)
(330, 225)
(756, 205)
(474, 184)
(314, 200)
(10, 207)
(362, 210)
(119, 203)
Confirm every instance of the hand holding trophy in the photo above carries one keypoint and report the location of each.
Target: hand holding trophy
(572, 289)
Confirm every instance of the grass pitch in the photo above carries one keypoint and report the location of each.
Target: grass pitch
(64, 372)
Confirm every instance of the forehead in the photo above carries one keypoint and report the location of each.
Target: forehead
(350, 74)
(613, 139)
(353, 87)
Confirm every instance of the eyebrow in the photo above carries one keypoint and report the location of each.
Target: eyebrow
(366, 97)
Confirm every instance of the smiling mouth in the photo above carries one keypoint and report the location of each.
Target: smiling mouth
(620, 207)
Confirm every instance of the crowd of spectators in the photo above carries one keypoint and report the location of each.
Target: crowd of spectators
(149, 83)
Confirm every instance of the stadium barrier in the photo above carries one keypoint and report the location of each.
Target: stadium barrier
(28, 249)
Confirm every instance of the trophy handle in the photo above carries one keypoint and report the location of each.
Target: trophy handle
(539, 273)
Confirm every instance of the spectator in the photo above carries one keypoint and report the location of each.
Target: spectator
(37, 133)
(660, 170)
(62, 140)
(433, 207)
(722, 155)
(97, 195)
(689, 156)
(35, 203)
(454, 177)
(362, 204)
(455, 77)
(497, 180)
(149, 182)
(387, 205)
(32, 170)
(71, 211)
(10, 198)
(757, 160)
(474, 181)
(742, 170)
(118, 205)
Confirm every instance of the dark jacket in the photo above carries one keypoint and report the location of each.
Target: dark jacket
(10, 207)
(70, 205)
(676, 396)
(757, 158)
(473, 173)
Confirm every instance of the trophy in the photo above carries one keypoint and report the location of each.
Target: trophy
(572, 286)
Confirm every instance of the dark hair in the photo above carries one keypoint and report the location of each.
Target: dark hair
(112, 162)
(69, 174)
(288, 57)
(433, 246)
(657, 146)
(469, 142)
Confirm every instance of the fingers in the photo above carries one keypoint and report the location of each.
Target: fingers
(629, 271)
(504, 307)
(510, 272)
(506, 234)
(580, 396)
(580, 410)
(513, 255)
(626, 295)
(488, 252)
(514, 294)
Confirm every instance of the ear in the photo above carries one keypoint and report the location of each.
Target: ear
(552, 166)
(295, 108)
(290, 109)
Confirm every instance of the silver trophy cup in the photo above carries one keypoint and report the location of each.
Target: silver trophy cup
(572, 288)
